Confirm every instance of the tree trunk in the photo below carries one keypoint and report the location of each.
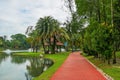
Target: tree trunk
(54, 43)
(48, 49)
(43, 46)
(98, 12)
(72, 46)
(114, 54)
(36, 49)
(108, 61)
(114, 57)
(60, 48)
(49, 46)
(104, 11)
(33, 49)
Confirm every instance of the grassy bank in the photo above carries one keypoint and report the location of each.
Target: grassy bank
(27, 54)
(58, 59)
(113, 70)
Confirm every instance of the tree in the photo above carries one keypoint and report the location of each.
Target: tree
(33, 38)
(102, 13)
(1, 42)
(115, 19)
(46, 27)
(49, 31)
(19, 41)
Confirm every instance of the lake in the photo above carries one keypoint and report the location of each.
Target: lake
(21, 67)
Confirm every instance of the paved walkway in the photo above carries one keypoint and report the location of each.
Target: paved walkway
(76, 67)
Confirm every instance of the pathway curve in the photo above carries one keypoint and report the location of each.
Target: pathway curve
(76, 67)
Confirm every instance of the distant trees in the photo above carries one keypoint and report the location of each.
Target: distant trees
(19, 41)
(1, 41)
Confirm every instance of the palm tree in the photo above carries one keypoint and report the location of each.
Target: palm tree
(45, 28)
(48, 28)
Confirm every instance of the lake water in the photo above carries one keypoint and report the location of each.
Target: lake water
(22, 68)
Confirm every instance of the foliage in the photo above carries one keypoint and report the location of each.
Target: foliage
(101, 37)
(47, 31)
(33, 39)
(1, 41)
(19, 42)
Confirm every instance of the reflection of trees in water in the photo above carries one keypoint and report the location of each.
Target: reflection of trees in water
(3, 57)
(47, 64)
(37, 66)
(18, 59)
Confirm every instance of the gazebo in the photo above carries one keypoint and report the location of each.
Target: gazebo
(58, 44)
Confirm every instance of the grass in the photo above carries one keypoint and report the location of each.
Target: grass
(113, 70)
(27, 54)
(58, 60)
(118, 54)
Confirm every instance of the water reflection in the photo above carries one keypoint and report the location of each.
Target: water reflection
(37, 66)
(18, 59)
(22, 68)
(3, 57)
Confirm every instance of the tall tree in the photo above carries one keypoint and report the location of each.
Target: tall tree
(49, 31)
(46, 28)
(115, 20)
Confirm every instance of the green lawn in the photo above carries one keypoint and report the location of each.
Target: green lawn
(58, 59)
(112, 70)
(27, 54)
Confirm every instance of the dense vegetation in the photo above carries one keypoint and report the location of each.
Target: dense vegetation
(101, 37)
(18, 41)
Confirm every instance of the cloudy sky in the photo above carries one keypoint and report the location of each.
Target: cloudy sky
(17, 15)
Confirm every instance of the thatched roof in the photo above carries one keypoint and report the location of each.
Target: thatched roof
(46, 44)
(57, 43)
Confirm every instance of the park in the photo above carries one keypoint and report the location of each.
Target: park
(86, 46)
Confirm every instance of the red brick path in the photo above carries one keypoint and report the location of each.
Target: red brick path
(76, 67)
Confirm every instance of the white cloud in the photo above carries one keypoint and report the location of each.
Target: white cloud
(16, 15)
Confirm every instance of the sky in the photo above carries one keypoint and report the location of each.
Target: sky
(17, 15)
